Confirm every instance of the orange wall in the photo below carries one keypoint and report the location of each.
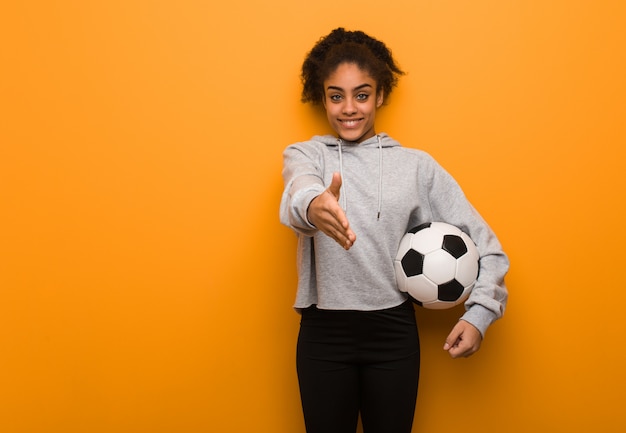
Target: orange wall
(145, 282)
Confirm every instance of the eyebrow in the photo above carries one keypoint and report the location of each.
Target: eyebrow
(362, 86)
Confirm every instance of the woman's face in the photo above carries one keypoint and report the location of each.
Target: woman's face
(351, 100)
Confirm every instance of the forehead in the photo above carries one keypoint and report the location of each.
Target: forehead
(347, 76)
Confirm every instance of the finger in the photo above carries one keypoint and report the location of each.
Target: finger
(335, 185)
(460, 349)
(464, 350)
(340, 217)
(328, 216)
(344, 232)
(343, 237)
(452, 339)
(338, 220)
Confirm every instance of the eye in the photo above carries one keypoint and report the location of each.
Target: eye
(336, 97)
(362, 96)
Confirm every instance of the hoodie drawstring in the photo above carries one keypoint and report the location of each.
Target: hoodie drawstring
(343, 189)
(380, 177)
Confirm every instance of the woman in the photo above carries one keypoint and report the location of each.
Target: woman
(350, 198)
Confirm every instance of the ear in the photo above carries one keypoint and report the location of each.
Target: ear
(379, 99)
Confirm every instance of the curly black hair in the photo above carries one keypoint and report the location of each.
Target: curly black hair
(342, 46)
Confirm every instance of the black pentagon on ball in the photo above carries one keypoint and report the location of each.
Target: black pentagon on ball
(454, 245)
(420, 227)
(450, 291)
(412, 263)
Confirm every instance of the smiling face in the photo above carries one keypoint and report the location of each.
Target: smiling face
(351, 99)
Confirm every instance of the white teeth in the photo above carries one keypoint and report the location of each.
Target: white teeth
(350, 123)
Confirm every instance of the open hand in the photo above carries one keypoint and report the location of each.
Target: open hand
(326, 214)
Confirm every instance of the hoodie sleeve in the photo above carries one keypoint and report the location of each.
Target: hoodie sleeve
(303, 178)
(448, 203)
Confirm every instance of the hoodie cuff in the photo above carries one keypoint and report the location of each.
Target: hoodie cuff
(480, 317)
(302, 203)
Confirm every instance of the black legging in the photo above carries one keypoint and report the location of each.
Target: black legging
(352, 362)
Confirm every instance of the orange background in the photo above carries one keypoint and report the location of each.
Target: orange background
(145, 281)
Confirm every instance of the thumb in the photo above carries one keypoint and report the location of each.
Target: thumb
(452, 339)
(335, 185)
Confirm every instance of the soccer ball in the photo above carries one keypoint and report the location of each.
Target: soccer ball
(437, 265)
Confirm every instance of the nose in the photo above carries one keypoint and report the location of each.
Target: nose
(349, 107)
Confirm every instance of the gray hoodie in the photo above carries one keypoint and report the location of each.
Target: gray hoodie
(387, 189)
